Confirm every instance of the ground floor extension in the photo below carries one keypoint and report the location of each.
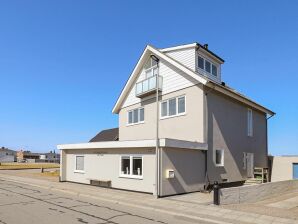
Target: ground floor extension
(132, 165)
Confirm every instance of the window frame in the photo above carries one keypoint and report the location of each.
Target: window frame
(168, 108)
(75, 164)
(131, 176)
(139, 115)
(222, 158)
(204, 65)
(249, 122)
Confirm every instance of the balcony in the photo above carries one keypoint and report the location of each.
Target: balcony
(148, 86)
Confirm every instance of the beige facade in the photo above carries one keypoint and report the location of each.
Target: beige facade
(189, 127)
(282, 167)
(104, 164)
(227, 130)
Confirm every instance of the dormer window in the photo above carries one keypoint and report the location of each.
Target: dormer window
(207, 66)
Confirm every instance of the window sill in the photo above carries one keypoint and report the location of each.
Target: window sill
(79, 171)
(128, 125)
(131, 177)
(219, 165)
(178, 115)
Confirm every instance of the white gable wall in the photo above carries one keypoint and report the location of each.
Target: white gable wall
(173, 80)
(186, 57)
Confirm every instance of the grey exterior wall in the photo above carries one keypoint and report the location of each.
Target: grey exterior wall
(227, 129)
(189, 168)
(188, 127)
(104, 164)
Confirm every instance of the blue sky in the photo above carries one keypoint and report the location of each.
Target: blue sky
(64, 63)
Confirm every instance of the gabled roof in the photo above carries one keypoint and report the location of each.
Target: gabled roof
(196, 77)
(133, 77)
(106, 135)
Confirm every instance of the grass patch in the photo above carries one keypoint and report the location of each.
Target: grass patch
(55, 173)
(21, 166)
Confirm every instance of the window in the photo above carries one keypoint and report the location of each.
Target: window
(249, 123)
(125, 165)
(219, 157)
(200, 62)
(173, 107)
(131, 166)
(207, 66)
(214, 70)
(150, 68)
(79, 164)
(136, 116)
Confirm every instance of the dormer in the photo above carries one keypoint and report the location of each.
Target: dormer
(208, 64)
(198, 58)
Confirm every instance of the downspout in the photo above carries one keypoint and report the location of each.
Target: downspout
(270, 168)
(157, 163)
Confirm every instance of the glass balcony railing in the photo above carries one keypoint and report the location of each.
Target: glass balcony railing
(148, 86)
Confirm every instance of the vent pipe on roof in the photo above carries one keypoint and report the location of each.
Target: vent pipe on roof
(205, 46)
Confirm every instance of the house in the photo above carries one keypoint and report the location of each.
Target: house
(50, 157)
(180, 129)
(284, 168)
(27, 156)
(7, 155)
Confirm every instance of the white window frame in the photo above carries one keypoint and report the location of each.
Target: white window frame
(75, 164)
(211, 63)
(131, 176)
(139, 113)
(175, 115)
(249, 122)
(222, 157)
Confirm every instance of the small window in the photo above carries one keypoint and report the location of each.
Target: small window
(125, 165)
(173, 107)
(164, 109)
(181, 105)
(200, 62)
(219, 157)
(137, 166)
(208, 66)
(249, 123)
(79, 163)
(214, 70)
(136, 116)
(131, 166)
(141, 114)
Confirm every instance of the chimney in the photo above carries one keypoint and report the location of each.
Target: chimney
(205, 46)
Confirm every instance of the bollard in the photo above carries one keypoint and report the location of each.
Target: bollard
(41, 170)
(215, 193)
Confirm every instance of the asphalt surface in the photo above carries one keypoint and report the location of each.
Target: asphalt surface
(21, 203)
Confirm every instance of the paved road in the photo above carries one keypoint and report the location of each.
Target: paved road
(21, 203)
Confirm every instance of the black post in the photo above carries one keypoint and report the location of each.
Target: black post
(215, 193)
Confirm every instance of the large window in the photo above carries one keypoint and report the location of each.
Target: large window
(249, 123)
(79, 166)
(219, 157)
(172, 107)
(131, 166)
(207, 66)
(136, 116)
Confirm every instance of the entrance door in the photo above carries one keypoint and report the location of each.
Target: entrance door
(295, 170)
(250, 164)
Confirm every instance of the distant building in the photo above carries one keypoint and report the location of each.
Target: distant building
(27, 156)
(7, 155)
(284, 168)
(50, 157)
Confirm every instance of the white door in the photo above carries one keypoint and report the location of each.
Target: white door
(250, 164)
